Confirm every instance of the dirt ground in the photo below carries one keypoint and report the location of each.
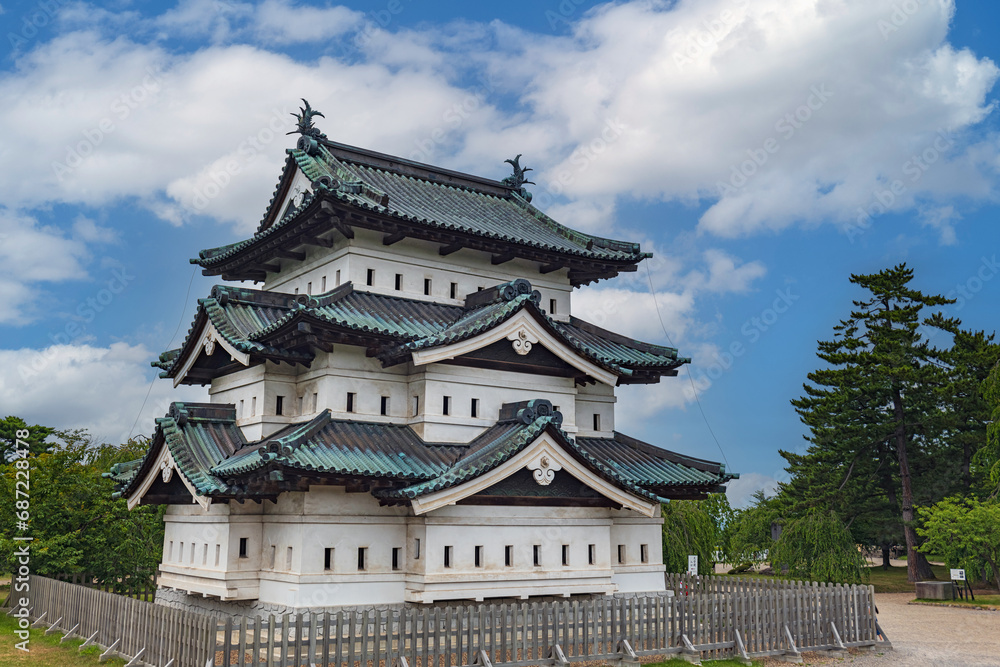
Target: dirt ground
(929, 636)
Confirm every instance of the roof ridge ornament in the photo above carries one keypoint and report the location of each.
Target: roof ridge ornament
(304, 125)
(518, 180)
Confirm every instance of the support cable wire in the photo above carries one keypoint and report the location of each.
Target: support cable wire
(694, 388)
(156, 376)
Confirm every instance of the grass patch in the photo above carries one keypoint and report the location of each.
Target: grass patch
(674, 662)
(981, 602)
(46, 651)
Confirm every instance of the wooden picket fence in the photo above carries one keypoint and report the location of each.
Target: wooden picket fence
(710, 617)
(138, 587)
(147, 632)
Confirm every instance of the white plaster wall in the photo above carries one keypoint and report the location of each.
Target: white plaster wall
(591, 399)
(415, 261)
(633, 531)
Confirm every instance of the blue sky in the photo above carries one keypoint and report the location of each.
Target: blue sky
(763, 149)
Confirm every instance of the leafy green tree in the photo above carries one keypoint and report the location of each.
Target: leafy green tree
(689, 528)
(36, 439)
(747, 538)
(819, 547)
(883, 390)
(966, 532)
(988, 457)
(75, 523)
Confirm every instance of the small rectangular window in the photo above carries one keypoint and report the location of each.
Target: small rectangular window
(362, 558)
(279, 405)
(336, 277)
(328, 558)
(415, 406)
(621, 553)
(323, 284)
(597, 421)
(315, 402)
(296, 291)
(427, 286)
(536, 555)
(253, 406)
(239, 413)
(399, 281)
(371, 277)
(218, 554)
(350, 401)
(270, 561)
(396, 551)
(171, 551)
(288, 558)
(446, 405)
(552, 306)
(474, 410)
(454, 291)
(309, 287)
(479, 556)
(644, 553)
(447, 556)
(385, 405)
(591, 554)
(180, 553)
(508, 555)
(244, 546)
(192, 553)
(565, 555)
(416, 549)
(480, 288)
(302, 405)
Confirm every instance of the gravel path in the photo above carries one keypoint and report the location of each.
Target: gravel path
(930, 636)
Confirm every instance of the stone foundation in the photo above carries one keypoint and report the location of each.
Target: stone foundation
(255, 608)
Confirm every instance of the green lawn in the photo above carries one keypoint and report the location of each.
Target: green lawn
(675, 662)
(46, 651)
(981, 602)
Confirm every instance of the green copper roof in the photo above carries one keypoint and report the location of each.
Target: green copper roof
(413, 194)
(214, 456)
(259, 322)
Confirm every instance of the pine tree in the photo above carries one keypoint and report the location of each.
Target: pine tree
(881, 399)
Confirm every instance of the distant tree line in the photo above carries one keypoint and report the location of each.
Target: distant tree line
(903, 424)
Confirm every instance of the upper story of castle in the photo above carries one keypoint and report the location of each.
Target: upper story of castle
(401, 291)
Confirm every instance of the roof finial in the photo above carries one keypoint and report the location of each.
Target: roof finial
(517, 179)
(305, 122)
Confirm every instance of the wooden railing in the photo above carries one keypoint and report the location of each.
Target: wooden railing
(150, 633)
(710, 617)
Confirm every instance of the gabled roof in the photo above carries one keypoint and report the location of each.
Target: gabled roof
(284, 327)
(353, 187)
(217, 462)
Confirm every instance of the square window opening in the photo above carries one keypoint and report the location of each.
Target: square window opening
(597, 421)
(621, 553)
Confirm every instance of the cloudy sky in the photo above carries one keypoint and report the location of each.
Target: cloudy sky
(763, 149)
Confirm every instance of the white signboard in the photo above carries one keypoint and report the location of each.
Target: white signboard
(958, 575)
(692, 565)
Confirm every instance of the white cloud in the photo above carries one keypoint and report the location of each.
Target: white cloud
(100, 389)
(740, 491)
(725, 274)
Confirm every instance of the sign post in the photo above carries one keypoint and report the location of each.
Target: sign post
(693, 566)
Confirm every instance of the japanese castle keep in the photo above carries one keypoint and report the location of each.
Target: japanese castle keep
(405, 409)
